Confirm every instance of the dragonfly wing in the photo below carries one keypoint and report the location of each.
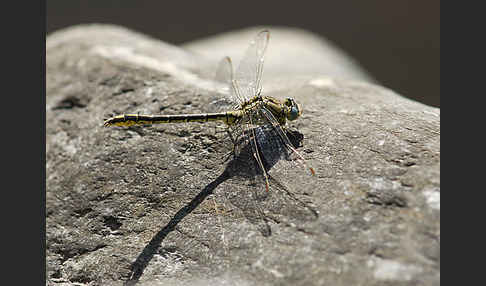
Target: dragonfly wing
(249, 73)
(270, 145)
(225, 76)
(283, 143)
(281, 162)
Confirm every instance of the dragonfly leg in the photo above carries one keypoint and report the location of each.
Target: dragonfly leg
(256, 154)
(290, 134)
(257, 158)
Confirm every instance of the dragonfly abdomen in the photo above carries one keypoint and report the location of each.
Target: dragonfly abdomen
(229, 118)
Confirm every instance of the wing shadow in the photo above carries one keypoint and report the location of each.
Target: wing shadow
(242, 165)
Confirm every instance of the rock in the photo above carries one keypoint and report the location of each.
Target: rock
(160, 205)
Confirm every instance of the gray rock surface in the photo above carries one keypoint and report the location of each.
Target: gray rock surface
(159, 205)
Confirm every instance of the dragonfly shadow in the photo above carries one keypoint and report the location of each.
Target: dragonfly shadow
(249, 193)
(271, 149)
(152, 247)
(243, 165)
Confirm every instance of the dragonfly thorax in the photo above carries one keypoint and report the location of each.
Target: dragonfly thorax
(282, 111)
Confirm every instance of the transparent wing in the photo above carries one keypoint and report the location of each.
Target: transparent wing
(281, 163)
(270, 146)
(225, 77)
(279, 142)
(249, 72)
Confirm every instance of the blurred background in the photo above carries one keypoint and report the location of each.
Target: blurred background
(397, 42)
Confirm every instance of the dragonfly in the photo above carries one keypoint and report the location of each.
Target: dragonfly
(255, 119)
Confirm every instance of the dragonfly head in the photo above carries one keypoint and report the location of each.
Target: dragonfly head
(294, 110)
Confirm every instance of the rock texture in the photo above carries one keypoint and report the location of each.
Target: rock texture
(159, 205)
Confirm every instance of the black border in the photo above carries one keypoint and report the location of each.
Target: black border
(42, 198)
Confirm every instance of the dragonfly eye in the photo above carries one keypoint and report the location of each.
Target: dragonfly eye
(294, 110)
